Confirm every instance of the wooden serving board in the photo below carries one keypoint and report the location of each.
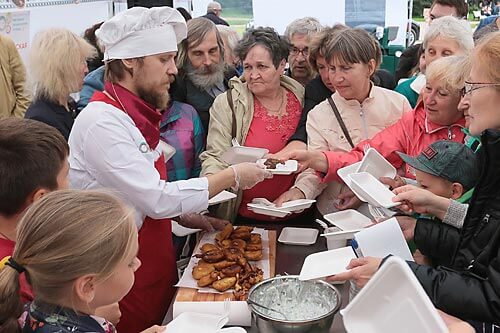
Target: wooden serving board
(192, 295)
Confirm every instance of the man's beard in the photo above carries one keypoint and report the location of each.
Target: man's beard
(158, 100)
(150, 95)
(206, 76)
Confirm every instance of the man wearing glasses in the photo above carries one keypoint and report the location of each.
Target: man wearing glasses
(299, 34)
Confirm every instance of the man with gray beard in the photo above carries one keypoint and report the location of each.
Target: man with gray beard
(203, 74)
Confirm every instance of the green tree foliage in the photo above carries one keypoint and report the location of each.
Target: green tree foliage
(237, 6)
(419, 5)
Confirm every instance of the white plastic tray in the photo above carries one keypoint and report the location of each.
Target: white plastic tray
(322, 264)
(376, 165)
(240, 154)
(298, 236)
(267, 210)
(297, 205)
(393, 301)
(286, 168)
(221, 197)
(344, 175)
(181, 231)
(195, 322)
(373, 190)
(348, 220)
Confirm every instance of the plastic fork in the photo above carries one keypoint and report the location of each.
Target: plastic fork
(235, 142)
(225, 314)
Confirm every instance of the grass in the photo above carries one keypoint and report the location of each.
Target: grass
(237, 21)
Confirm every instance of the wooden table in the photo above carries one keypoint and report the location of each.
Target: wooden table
(289, 260)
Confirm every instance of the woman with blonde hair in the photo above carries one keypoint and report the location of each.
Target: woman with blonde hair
(79, 252)
(355, 112)
(58, 65)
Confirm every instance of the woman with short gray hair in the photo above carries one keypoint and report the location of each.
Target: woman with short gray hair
(446, 36)
(262, 110)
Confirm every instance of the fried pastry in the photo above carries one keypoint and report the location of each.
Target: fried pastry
(231, 270)
(233, 254)
(224, 284)
(253, 255)
(208, 279)
(224, 234)
(208, 247)
(201, 271)
(254, 247)
(223, 264)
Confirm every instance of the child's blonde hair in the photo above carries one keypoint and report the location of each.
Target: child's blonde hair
(65, 235)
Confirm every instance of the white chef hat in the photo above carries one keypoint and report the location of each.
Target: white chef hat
(139, 32)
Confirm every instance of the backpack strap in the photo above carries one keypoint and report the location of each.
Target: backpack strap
(229, 96)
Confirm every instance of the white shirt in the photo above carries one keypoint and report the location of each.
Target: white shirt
(108, 150)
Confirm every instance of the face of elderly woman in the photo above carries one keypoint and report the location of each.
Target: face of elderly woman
(441, 47)
(351, 81)
(441, 105)
(259, 71)
(484, 101)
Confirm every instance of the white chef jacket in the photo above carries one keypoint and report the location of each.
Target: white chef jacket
(107, 150)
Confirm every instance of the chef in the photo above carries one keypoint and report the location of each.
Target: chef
(115, 143)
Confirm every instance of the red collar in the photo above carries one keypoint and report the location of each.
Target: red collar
(145, 116)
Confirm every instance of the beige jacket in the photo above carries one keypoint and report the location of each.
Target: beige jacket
(381, 109)
(14, 100)
(219, 130)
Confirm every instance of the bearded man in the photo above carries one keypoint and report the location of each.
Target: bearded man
(115, 144)
(203, 74)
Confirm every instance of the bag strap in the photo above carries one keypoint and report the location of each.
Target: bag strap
(340, 120)
(229, 96)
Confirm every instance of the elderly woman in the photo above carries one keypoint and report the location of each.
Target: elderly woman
(446, 36)
(363, 110)
(436, 118)
(266, 106)
(469, 287)
(58, 65)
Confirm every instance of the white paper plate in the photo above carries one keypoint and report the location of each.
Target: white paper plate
(297, 205)
(344, 175)
(376, 165)
(348, 220)
(181, 231)
(221, 197)
(298, 236)
(286, 168)
(241, 154)
(393, 301)
(267, 210)
(194, 322)
(373, 190)
(323, 264)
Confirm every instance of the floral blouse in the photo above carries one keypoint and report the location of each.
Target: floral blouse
(44, 318)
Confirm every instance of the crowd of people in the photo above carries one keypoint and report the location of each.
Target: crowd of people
(135, 117)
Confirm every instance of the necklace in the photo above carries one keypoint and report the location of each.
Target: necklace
(274, 110)
(5, 236)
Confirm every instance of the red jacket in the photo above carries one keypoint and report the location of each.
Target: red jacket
(410, 135)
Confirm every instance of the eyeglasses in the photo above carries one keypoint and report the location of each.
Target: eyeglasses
(471, 86)
(295, 51)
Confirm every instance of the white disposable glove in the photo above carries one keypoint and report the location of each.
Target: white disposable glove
(247, 175)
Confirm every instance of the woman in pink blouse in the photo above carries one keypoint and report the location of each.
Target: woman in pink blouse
(266, 106)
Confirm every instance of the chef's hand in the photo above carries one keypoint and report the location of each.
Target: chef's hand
(393, 183)
(360, 270)
(155, 329)
(247, 175)
(292, 194)
(313, 159)
(110, 312)
(199, 221)
(347, 200)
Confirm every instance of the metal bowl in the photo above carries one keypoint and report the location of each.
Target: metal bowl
(309, 292)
